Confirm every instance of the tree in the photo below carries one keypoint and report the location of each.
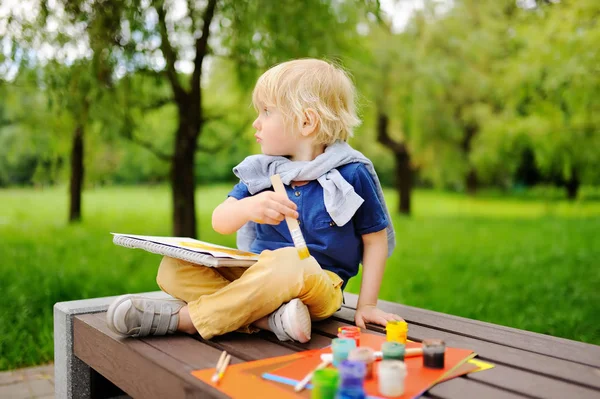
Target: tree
(387, 58)
(70, 82)
(153, 38)
(557, 110)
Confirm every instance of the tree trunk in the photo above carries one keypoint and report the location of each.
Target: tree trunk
(189, 104)
(403, 181)
(182, 174)
(471, 182)
(572, 186)
(402, 157)
(77, 173)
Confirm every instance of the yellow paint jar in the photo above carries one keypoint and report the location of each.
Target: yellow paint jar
(396, 331)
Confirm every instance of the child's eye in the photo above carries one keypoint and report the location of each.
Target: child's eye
(267, 112)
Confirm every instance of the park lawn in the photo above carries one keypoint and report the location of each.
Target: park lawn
(529, 264)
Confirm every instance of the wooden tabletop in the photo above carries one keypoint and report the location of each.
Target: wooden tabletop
(528, 365)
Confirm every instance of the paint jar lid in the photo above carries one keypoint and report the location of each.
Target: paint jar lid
(393, 349)
(349, 329)
(396, 325)
(433, 344)
(343, 344)
(392, 369)
(362, 354)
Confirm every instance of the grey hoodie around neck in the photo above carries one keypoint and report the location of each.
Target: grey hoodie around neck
(341, 201)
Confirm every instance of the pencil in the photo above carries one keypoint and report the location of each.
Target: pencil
(215, 376)
(223, 368)
(292, 223)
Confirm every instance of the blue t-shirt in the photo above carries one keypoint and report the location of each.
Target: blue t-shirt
(337, 248)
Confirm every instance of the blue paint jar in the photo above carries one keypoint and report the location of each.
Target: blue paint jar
(341, 348)
(352, 378)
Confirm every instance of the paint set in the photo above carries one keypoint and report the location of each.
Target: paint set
(355, 364)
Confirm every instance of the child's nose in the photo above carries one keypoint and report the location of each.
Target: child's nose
(256, 124)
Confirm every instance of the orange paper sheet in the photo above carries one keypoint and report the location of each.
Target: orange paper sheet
(241, 382)
(244, 380)
(418, 380)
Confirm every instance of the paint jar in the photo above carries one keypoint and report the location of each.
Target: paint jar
(341, 348)
(365, 355)
(324, 382)
(396, 331)
(393, 350)
(433, 353)
(391, 377)
(352, 379)
(350, 332)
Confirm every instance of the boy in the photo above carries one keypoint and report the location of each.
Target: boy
(306, 113)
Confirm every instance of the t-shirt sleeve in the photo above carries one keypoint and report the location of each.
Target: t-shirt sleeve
(239, 191)
(371, 216)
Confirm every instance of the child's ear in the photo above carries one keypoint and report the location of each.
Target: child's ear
(311, 122)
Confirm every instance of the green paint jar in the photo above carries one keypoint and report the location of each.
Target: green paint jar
(393, 350)
(324, 383)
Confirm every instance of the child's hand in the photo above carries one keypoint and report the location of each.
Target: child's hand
(370, 314)
(269, 207)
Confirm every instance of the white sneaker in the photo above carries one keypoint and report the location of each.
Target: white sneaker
(139, 316)
(291, 322)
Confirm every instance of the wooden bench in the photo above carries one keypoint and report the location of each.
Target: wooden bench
(96, 363)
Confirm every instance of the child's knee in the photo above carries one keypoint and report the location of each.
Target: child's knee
(325, 309)
(167, 273)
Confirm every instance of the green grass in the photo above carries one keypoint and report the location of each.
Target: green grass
(523, 263)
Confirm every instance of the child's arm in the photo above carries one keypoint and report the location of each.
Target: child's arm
(266, 207)
(374, 257)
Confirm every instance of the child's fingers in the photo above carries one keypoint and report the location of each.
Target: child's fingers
(360, 323)
(396, 317)
(284, 200)
(284, 210)
(274, 215)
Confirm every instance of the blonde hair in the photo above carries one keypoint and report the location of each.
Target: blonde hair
(294, 86)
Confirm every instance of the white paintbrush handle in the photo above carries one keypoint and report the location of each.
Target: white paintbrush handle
(302, 384)
(410, 352)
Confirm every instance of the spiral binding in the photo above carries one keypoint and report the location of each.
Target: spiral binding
(162, 249)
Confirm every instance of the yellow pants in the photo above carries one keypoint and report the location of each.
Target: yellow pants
(226, 299)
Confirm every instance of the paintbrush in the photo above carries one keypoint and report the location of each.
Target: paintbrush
(302, 384)
(292, 223)
(410, 352)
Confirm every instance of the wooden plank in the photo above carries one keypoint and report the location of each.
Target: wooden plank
(532, 384)
(574, 351)
(536, 364)
(128, 362)
(186, 349)
(465, 389)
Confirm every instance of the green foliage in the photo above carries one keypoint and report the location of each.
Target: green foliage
(512, 93)
(31, 148)
(525, 263)
(549, 95)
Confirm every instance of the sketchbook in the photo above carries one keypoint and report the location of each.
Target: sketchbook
(188, 249)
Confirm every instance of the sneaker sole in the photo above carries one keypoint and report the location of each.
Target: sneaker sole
(299, 320)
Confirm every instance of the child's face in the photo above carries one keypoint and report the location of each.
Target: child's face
(272, 135)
